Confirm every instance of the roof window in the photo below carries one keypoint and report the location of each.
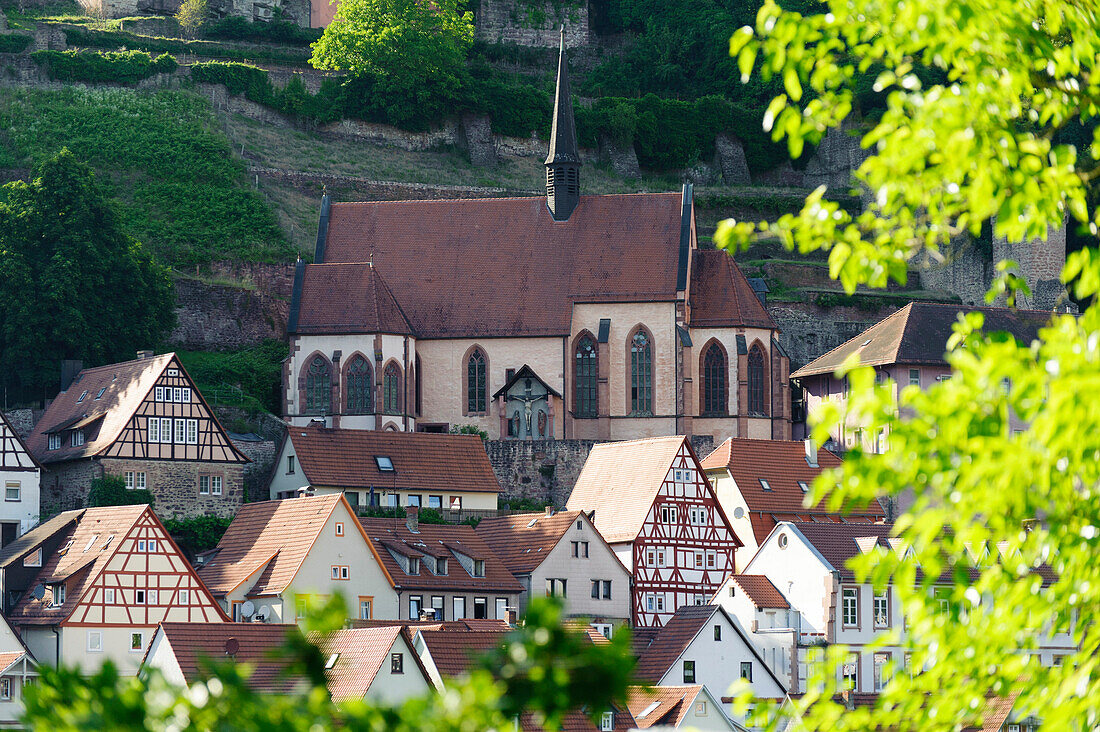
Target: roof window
(648, 710)
(764, 484)
(83, 394)
(532, 522)
(100, 393)
(384, 463)
(805, 488)
(331, 661)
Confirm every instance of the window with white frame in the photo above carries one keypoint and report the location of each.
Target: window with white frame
(366, 608)
(139, 480)
(177, 394)
(850, 607)
(95, 641)
(660, 556)
(607, 722)
(158, 394)
(698, 558)
(668, 514)
(54, 441)
(340, 572)
(152, 546)
(139, 597)
(5, 688)
(882, 671)
(77, 438)
(109, 596)
(141, 545)
(850, 672)
(186, 397)
(192, 432)
(712, 559)
(152, 597)
(882, 609)
(181, 431)
(184, 597)
(12, 491)
(166, 429)
(215, 485)
(204, 485)
(650, 556)
(129, 478)
(680, 475)
(137, 640)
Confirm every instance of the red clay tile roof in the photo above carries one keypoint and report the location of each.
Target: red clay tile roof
(782, 463)
(673, 639)
(837, 542)
(422, 461)
(460, 626)
(22, 546)
(760, 591)
(8, 659)
(126, 386)
(259, 645)
(503, 266)
(428, 540)
(523, 540)
(673, 703)
(577, 721)
(271, 535)
(918, 334)
(77, 562)
(365, 303)
(720, 296)
(636, 469)
(360, 655)
(454, 652)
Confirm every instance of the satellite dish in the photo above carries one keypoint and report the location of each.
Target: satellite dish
(263, 613)
(232, 645)
(39, 591)
(247, 609)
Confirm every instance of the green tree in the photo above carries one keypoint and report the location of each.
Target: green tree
(192, 16)
(72, 285)
(110, 490)
(414, 50)
(1005, 137)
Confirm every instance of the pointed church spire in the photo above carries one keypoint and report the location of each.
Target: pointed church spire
(563, 162)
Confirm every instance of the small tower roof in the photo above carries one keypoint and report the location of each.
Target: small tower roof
(563, 134)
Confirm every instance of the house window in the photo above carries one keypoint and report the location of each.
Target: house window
(340, 572)
(668, 514)
(129, 479)
(882, 609)
(152, 597)
(109, 596)
(850, 672)
(458, 606)
(12, 491)
(137, 641)
(698, 558)
(555, 587)
(318, 386)
(139, 480)
(746, 670)
(718, 632)
(850, 607)
(215, 485)
(765, 484)
(289, 464)
(139, 597)
(58, 595)
(650, 557)
(178, 395)
(435, 501)
(481, 608)
(141, 545)
(54, 441)
(95, 641)
(360, 386)
(34, 559)
(882, 674)
(152, 546)
(366, 608)
(301, 606)
(607, 589)
(595, 589)
(476, 383)
(414, 565)
(158, 394)
(413, 500)
(192, 432)
(914, 377)
(641, 374)
(580, 549)
(441, 565)
(689, 672)
(166, 430)
(416, 604)
(803, 486)
(756, 380)
(660, 556)
(479, 567)
(184, 598)
(607, 722)
(204, 485)
(77, 438)
(181, 431)
(339, 528)
(391, 389)
(585, 379)
(712, 559)
(186, 398)
(715, 383)
(501, 607)
(5, 688)
(397, 663)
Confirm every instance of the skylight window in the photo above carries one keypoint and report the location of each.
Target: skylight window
(332, 660)
(764, 484)
(649, 709)
(384, 463)
(805, 488)
(83, 394)
(100, 393)
(532, 522)
(91, 542)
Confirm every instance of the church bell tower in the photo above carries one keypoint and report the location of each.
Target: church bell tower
(563, 162)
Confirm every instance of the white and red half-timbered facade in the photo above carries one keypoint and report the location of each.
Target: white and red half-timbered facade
(92, 585)
(146, 422)
(653, 504)
(20, 476)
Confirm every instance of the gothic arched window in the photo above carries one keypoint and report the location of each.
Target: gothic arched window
(715, 381)
(319, 386)
(391, 389)
(360, 386)
(585, 376)
(756, 380)
(476, 383)
(641, 374)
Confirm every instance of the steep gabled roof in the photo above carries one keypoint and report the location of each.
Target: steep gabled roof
(760, 591)
(721, 296)
(28, 541)
(359, 655)
(672, 704)
(197, 645)
(125, 385)
(523, 540)
(782, 464)
(14, 454)
(273, 536)
(620, 480)
(365, 303)
(422, 461)
(918, 334)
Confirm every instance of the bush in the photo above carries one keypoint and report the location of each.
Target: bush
(119, 39)
(121, 67)
(250, 378)
(110, 490)
(14, 42)
(236, 28)
(198, 534)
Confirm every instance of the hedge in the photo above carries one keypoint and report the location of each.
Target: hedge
(13, 42)
(236, 28)
(155, 44)
(122, 67)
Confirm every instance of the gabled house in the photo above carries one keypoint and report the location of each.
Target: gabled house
(766, 616)
(277, 554)
(92, 585)
(678, 707)
(441, 571)
(562, 554)
(426, 470)
(145, 422)
(652, 503)
(376, 664)
(762, 482)
(20, 478)
(17, 671)
(704, 645)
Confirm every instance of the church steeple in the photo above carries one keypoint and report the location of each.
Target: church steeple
(563, 162)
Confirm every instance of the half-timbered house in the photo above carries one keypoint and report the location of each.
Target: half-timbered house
(146, 422)
(652, 503)
(20, 476)
(92, 585)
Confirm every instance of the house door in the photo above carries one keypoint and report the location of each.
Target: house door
(9, 532)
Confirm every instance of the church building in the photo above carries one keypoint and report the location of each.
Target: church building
(557, 317)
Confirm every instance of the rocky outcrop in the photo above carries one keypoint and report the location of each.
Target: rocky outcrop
(729, 158)
(477, 140)
(621, 158)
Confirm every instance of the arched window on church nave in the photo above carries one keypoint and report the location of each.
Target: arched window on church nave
(585, 379)
(756, 380)
(715, 381)
(391, 389)
(319, 386)
(641, 373)
(476, 382)
(360, 386)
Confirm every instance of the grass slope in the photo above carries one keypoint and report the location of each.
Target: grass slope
(162, 156)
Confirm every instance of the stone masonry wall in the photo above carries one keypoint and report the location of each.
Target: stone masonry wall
(807, 335)
(257, 474)
(532, 23)
(547, 470)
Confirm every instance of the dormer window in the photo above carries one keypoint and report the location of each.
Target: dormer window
(479, 567)
(54, 441)
(77, 438)
(414, 565)
(441, 566)
(385, 465)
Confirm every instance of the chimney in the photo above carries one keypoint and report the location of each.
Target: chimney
(69, 370)
(549, 511)
(142, 355)
(412, 518)
(510, 616)
(811, 452)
